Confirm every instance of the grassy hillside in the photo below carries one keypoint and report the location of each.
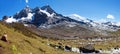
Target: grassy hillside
(21, 43)
(116, 33)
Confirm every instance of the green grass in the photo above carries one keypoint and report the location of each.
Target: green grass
(21, 43)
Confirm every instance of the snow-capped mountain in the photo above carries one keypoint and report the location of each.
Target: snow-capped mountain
(97, 25)
(78, 17)
(41, 17)
(112, 23)
(25, 15)
(44, 21)
(46, 17)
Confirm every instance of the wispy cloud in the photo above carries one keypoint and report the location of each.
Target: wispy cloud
(109, 16)
(26, 1)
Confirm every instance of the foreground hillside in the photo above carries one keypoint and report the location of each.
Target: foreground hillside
(19, 43)
(23, 41)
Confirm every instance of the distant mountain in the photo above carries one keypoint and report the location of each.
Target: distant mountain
(45, 19)
(102, 26)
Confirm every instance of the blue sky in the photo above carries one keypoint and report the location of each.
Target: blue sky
(97, 10)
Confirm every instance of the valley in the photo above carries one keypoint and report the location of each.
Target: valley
(41, 30)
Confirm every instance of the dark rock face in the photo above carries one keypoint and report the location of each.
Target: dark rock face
(22, 13)
(48, 9)
(39, 18)
(36, 9)
(4, 18)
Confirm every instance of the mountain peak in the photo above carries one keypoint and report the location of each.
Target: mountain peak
(27, 9)
(23, 13)
(46, 16)
(48, 9)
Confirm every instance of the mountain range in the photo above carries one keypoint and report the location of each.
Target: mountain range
(46, 22)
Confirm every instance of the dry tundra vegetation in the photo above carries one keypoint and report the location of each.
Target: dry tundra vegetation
(23, 41)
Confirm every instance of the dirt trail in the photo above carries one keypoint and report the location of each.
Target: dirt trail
(1, 50)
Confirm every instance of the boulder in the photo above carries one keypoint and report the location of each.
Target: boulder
(4, 38)
(87, 49)
(67, 48)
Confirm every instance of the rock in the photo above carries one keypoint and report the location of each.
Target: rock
(4, 38)
(67, 48)
(87, 49)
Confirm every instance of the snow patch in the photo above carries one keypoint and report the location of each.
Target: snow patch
(48, 14)
(72, 24)
(78, 17)
(117, 23)
(25, 24)
(10, 20)
(28, 18)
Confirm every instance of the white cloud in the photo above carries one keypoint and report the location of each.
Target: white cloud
(26, 1)
(109, 16)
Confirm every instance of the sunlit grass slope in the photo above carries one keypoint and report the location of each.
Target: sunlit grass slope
(21, 43)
